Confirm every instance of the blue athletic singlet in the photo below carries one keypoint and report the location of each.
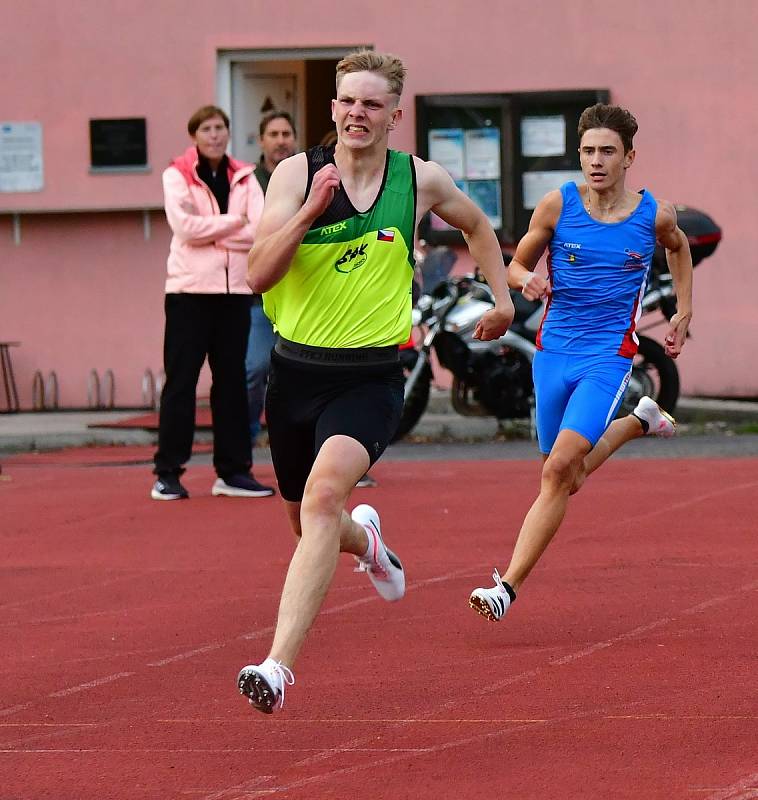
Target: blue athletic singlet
(598, 273)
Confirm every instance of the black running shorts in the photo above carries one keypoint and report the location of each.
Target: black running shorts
(306, 404)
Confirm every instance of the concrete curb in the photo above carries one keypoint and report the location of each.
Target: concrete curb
(28, 432)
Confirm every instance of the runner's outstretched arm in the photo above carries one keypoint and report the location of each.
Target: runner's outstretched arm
(679, 260)
(438, 192)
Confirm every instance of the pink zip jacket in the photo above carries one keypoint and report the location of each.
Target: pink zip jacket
(208, 253)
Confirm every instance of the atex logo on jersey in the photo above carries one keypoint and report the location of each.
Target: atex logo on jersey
(336, 228)
(352, 259)
(634, 260)
(572, 246)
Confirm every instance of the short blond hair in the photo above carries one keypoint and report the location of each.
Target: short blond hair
(385, 64)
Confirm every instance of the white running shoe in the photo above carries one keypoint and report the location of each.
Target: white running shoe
(383, 567)
(660, 423)
(491, 603)
(263, 684)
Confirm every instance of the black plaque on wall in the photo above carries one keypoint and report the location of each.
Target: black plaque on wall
(118, 142)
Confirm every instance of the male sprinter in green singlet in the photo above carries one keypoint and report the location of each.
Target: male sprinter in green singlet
(333, 257)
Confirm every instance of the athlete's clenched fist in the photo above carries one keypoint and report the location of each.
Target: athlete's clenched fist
(325, 183)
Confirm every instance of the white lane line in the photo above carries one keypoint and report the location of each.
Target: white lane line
(452, 744)
(699, 499)
(73, 590)
(219, 645)
(746, 789)
(82, 687)
(7, 712)
(567, 659)
(188, 654)
(659, 623)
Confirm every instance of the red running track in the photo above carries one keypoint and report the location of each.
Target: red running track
(626, 669)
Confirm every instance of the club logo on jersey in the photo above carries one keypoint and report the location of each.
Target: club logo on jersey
(572, 258)
(634, 260)
(352, 259)
(385, 236)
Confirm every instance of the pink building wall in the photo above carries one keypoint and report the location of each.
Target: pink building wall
(83, 291)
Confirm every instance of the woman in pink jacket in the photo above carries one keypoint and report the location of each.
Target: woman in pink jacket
(213, 204)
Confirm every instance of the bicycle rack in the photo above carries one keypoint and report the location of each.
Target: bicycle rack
(109, 389)
(38, 391)
(50, 391)
(93, 390)
(148, 389)
(159, 384)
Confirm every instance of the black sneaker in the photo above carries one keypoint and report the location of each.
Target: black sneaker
(167, 487)
(366, 482)
(240, 486)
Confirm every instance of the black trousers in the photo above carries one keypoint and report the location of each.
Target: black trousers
(216, 326)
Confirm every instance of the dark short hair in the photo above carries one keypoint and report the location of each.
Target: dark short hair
(614, 118)
(270, 116)
(204, 113)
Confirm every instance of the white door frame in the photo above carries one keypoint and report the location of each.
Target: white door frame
(225, 58)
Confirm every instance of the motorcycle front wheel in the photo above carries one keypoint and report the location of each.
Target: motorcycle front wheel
(415, 403)
(653, 374)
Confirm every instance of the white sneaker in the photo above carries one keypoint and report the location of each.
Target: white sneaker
(660, 423)
(383, 567)
(491, 603)
(263, 684)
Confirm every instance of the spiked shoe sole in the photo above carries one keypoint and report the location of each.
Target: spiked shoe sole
(255, 687)
(481, 607)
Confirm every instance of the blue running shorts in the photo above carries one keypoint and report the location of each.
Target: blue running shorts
(580, 393)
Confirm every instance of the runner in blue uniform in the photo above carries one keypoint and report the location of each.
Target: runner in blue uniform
(600, 239)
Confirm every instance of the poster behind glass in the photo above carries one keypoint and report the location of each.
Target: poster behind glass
(472, 158)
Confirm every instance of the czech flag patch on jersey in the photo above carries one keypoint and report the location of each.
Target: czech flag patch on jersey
(385, 236)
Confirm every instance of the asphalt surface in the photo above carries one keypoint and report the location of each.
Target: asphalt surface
(707, 428)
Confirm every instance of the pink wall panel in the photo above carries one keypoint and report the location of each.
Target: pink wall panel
(84, 292)
(687, 71)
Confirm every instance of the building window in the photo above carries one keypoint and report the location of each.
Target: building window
(505, 151)
(118, 145)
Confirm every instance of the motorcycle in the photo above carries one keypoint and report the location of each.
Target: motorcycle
(495, 378)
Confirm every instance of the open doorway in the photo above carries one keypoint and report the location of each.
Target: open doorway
(301, 82)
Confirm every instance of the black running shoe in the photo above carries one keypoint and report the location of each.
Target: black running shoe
(168, 487)
(240, 486)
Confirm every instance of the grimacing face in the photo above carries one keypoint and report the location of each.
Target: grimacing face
(364, 111)
(277, 142)
(602, 157)
(212, 139)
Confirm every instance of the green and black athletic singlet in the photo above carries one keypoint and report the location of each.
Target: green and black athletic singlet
(349, 284)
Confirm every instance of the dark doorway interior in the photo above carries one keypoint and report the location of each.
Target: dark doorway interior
(319, 83)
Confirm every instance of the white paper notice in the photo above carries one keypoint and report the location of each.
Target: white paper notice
(446, 148)
(535, 185)
(21, 157)
(543, 136)
(483, 153)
